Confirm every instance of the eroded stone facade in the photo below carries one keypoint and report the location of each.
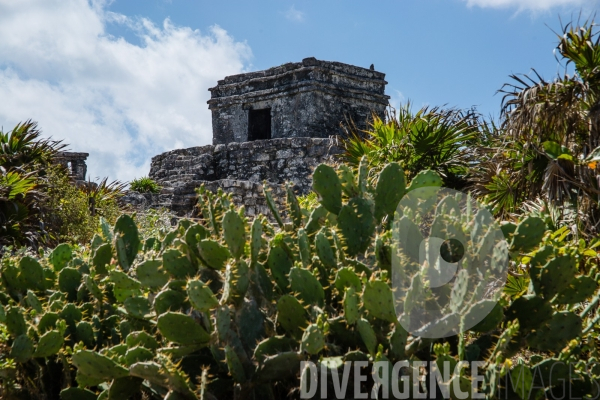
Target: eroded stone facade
(238, 168)
(305, 99)
(74, 163)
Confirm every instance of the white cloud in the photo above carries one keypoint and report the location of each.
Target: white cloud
(294, 15)
(122, 103)
(533, 5)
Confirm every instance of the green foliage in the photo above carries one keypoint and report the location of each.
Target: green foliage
(71, 218)
(436, 139)
(24, 157)
(251, 300)
(547, 145)
(144, 185)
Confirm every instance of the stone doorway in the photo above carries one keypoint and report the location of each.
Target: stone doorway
(259, 124)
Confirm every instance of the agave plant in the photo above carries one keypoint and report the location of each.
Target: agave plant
(432, 138)
(24, 158)
(19, 209)
(24, 146)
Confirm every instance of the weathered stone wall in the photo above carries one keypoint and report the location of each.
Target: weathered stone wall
(74, 162)
(306, 99)
(238, 168)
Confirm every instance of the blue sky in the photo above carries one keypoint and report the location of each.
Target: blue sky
(433, 51)
(128, 79)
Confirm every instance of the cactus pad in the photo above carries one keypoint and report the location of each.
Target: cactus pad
(22, 349)
(151, 274)
(236, 369)
(31, 273)
(128, 241)
(141, 338)
(85, 333)
(138, 307)
(49, 344)
(315, 220)
(60, 256)
(304, 247)
(391, 187)
(313, 340)
(201, 297)
(137, 354)
(177, 264)
(47, 322)
(280, 265)
(379, 301)
(346, 277)
(75, 393)
(71, 314)
(307, 286)
(168, 300)
(124, 388)
(528, 234)
(214, 255)
(293, 206)
(291, 316)
(351, 313)
(368, 335)
(327, 184)
(193, 235)
(234, 232)
(181, 329)
(579, 289)
(493, 316)
(261, 277)
(347, 180)
(398, 340)
(15, 322)
(255, 240)
(272, 346)
(508, 229)
(324, 250)
(102, 257)
(425, 179)
(97, 366)
(272, 205)
(531, 311)
(279, 367)
(34, 302)
(557, 275)
(69, 280)
(356, 223)
(556, 333)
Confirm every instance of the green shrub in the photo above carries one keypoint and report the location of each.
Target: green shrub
(144, 185)
(76, 210)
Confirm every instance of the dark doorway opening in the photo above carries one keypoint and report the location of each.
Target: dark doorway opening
(259, 124)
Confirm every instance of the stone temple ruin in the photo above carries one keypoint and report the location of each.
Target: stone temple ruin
(74, 163)
(275, 125)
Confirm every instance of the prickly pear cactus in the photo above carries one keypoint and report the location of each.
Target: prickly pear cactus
(228, 306)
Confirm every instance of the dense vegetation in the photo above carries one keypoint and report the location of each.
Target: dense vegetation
(39, 203)
(227, 306)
